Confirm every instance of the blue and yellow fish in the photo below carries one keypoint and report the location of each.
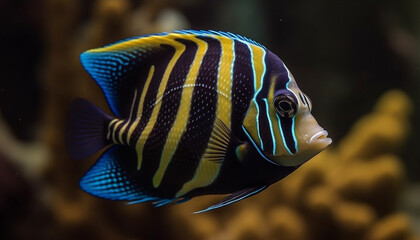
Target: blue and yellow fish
(196, 113)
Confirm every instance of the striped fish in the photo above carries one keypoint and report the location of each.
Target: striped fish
(195, 113)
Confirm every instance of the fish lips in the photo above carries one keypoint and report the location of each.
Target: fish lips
(314, 145)
(319, 140)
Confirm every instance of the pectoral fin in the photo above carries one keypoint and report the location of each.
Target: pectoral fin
(220, 141)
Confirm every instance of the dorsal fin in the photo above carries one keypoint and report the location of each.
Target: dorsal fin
(220, 33)
(119, 68)
(122, 67)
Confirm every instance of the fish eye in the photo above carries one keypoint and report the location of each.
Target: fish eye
(285, 105)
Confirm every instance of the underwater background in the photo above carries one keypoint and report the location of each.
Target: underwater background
(359, 61)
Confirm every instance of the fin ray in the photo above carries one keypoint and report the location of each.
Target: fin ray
(235, 197)
(86, 129)
(114, 177)
(219, 142)
(111, 70)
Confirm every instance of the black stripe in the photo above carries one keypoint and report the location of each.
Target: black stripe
(135, 105)
(151, 158)
(302, 99)
(111, 130)
(167, 112)
(242, 88)
(274, 68)
(169, 106)
(307, 102)
(280, 71)
(118, 130)
(199, 127)
(286, 126)
(264, 127)
(160, 60)
(172, 96)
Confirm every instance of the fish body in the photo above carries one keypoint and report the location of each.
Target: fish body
(195, 113)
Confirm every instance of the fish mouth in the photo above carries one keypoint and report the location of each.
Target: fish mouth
(321, 138)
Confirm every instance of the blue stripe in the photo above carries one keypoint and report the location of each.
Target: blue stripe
(271, 126)
(257, 148)
(256, 93)
(294, 135)
(258, 124)
(282, 136)
(293, 119)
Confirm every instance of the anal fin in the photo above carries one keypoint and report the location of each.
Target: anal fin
(235, 197)
(114, 177)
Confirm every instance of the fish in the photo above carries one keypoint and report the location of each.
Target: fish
(194, 112)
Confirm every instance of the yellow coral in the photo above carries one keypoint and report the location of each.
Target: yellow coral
(396, 226)
(381, 131)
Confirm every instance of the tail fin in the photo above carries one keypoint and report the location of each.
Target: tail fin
(86, 129)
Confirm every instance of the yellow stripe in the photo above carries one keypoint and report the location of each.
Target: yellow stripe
(258, 65)
(183, 113)
(250, 121)
(224, 82)
(141, 103)
(208, 170)
(120, 134)
(179, 49)
(114, 132)
(109, 135)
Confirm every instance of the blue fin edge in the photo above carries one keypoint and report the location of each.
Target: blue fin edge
(111, 178)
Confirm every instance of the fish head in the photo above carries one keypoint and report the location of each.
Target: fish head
(279, 123)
